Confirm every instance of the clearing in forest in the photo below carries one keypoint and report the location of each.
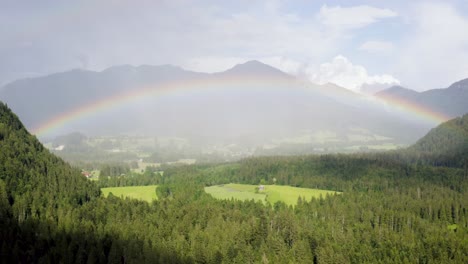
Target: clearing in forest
(270, 193)
(145, 193)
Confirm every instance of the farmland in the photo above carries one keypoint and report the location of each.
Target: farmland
(243, 192)
(271, 193)
(145, 193)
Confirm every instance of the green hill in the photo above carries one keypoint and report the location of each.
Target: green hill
(29, 171)
(37, 190)
(446, 145)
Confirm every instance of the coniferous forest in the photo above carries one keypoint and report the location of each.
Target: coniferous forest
(405, 206)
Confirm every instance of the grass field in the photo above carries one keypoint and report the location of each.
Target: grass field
(145, 193)
(271, 193)
(236, 191)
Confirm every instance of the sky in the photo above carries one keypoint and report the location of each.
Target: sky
(418, 44)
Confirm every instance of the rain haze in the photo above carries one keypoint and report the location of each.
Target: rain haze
(268, 77)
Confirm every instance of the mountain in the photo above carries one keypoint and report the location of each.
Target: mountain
(400, 92)
(254, 68)
(36, 100)
(371, 89)
(37, 191)
(252, 102)
(24, 163)
(451, 101)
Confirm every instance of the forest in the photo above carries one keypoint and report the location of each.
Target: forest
(404, 206)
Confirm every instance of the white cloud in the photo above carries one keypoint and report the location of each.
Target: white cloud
(435, 52)
(342, 72)
(352, 17)
(377, 46)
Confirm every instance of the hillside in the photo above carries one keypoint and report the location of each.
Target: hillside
(446, 144)
(37, 191)
(28, 169)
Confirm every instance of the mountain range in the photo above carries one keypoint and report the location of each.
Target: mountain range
(451, 101)
(252, 101)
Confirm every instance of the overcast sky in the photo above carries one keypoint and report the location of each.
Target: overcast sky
(420, 44)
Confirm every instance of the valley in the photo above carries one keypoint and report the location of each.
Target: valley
(143, 151)
(407, 200)
(234, 132)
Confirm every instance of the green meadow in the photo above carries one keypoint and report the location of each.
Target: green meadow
(271, 193)
(237, 191)
(145, 193)
(243, 192)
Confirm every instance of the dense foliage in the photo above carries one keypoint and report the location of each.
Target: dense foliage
(446, 144)
(391, 211)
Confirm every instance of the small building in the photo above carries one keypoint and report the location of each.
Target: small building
(87, 174)
(261, 188)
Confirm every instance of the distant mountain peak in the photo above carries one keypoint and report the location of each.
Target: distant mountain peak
(254, 67)
(462, 84)
(253, 62)
(397, 90)
(119, 68)
(125, 68)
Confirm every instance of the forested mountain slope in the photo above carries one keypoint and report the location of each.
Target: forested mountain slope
(447, 144)
(34, 185)
(29, 169)
(450, 137)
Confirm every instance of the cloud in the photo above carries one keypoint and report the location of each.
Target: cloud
(160, 32)
(377, 46)
(342, 72)
(434, 53)
(352, 17)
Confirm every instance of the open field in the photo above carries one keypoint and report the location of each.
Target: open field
(271, 193)
(145, 193)
(236, 191)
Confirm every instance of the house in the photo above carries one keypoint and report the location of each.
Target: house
(261, 188)
(87, 174)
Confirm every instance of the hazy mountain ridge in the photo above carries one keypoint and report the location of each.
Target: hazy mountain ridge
(285, 109)
(451, 101)
(254, 68)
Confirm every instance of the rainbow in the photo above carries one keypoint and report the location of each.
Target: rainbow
(410, 107)
(213, 84)
(173, 88)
